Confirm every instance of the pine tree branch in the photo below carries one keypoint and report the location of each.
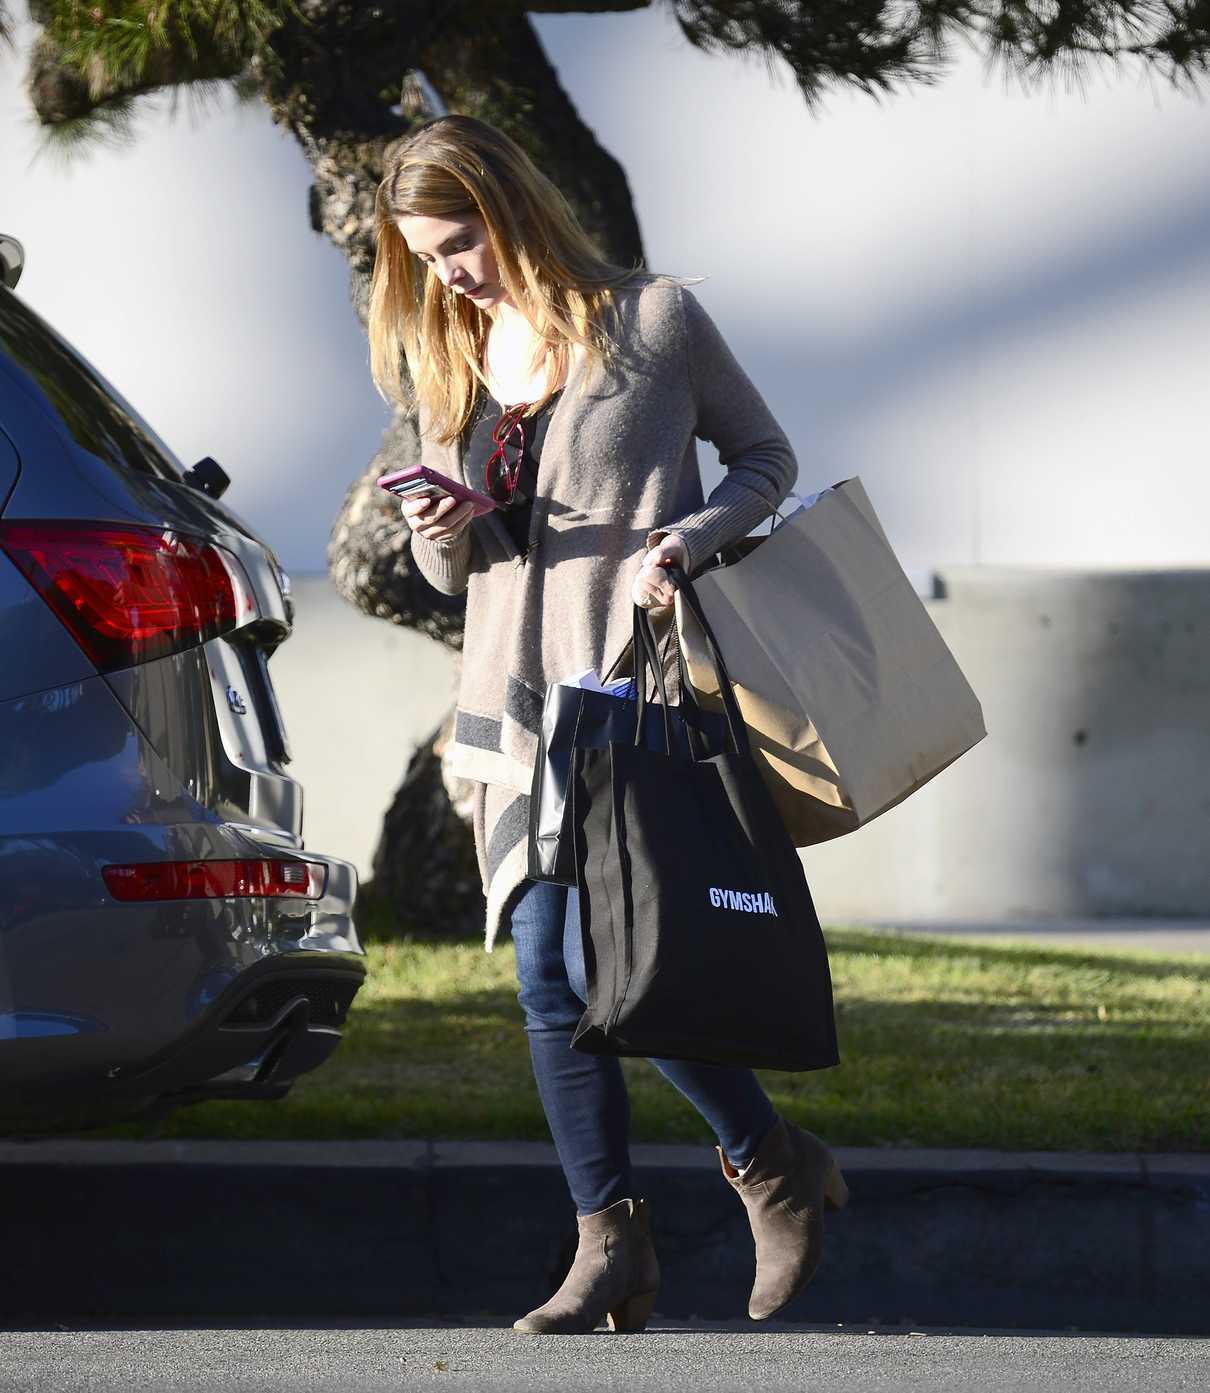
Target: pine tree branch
(89, 57)
(118, 41)
(873, 45)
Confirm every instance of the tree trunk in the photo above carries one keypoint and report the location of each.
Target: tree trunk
(425, 874)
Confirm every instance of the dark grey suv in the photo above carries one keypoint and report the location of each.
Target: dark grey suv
(164, 936)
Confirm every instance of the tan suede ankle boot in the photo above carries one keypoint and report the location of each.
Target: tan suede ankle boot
(615, 1273)
(784, 1190)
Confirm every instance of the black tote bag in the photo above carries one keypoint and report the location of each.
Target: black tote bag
(701, 941)
(581, 718)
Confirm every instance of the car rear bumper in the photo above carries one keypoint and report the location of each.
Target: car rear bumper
(108, 1008)
(278, 1020)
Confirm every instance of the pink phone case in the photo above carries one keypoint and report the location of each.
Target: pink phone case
(395, 483)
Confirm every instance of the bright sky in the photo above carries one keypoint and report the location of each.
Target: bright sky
(993, 305)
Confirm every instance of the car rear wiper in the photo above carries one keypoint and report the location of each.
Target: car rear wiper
(208, 476)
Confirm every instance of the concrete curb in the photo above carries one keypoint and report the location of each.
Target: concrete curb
(375, 1228)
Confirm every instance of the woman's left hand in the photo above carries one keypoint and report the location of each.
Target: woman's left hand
(652, 589)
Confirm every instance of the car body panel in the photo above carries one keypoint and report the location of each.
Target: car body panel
(10, 467)
(70, 759)
(109, 1008)
(92, 988)
(215, 748)
(50, 657)
(199, 710)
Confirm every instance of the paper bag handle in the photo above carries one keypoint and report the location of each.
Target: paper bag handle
(735, 722)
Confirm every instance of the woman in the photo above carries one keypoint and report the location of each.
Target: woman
(571, 390)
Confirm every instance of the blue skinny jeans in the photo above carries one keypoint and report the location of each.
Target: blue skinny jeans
(584, 1096)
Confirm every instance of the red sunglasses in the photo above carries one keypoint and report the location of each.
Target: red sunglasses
(501, 475)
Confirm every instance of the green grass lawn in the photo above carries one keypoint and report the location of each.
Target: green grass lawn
(942, 1042)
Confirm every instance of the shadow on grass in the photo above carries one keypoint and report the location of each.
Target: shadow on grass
(1035, 1070)
(920, 1074)
(954, 1032)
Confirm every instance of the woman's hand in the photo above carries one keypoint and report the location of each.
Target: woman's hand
(652, 589)
(437, 519)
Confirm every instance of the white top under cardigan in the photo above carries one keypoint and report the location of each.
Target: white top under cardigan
(618, 471)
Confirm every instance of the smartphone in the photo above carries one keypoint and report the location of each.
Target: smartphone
(421, 481)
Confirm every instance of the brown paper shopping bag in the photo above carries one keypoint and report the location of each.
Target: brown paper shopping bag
(851, 697)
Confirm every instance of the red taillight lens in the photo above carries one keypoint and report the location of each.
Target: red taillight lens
(129, 594)
(213, 880)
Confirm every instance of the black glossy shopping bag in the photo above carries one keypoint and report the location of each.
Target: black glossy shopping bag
(701, 940)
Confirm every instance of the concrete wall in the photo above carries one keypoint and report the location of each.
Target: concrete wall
(1088, 798)
(357, 696)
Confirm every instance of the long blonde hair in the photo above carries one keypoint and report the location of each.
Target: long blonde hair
(453, 166)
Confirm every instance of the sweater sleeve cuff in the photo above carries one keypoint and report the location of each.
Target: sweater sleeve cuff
(445, 565)
(717, 525)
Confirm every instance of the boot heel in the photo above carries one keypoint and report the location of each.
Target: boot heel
(633, 1313)
(835, 1191)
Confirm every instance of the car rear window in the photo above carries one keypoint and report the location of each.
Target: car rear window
(92, 411)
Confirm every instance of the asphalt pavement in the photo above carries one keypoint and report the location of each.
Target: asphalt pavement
(703, 1356)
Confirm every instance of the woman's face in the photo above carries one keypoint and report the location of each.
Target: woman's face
(458, 253)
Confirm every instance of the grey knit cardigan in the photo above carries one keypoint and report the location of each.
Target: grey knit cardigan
(618, 471)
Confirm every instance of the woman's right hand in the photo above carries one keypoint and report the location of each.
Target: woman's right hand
(437, 519)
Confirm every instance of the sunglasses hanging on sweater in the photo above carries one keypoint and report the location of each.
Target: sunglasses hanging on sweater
(501, 472)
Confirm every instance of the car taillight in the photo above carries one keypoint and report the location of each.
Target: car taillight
(129, 594)
(214, 880)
